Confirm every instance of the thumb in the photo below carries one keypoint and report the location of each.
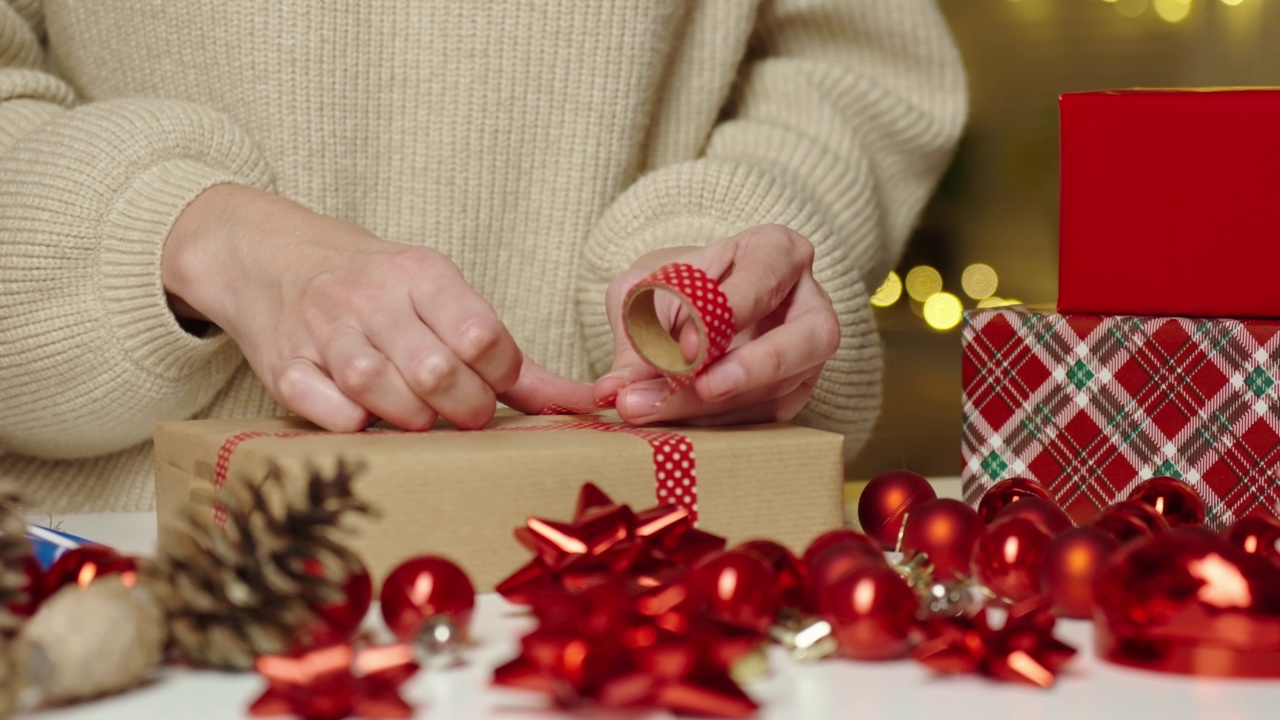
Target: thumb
(538, 388)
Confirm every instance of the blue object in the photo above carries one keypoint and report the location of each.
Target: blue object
(49, 544)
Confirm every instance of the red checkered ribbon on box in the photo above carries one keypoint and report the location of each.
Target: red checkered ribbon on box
(1092, 405)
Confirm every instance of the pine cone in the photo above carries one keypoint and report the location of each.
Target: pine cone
(233, 593)
(15, 560)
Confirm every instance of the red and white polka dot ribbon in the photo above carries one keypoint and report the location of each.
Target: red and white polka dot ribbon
(705, 304)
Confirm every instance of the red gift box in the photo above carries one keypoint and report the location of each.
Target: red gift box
(1168, 202)
(1092, 405)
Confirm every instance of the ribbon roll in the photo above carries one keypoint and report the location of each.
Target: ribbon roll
(707, 307)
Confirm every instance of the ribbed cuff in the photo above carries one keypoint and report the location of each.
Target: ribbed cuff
(89, 199)
(134, 303)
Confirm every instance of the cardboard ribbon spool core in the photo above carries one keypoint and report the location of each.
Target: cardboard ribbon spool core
(652, 341)
(707, 307)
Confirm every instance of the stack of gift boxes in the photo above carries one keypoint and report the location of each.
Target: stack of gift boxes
(1163, 356)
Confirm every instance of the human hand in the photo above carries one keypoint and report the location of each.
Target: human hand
(786, 331)
(342, 326)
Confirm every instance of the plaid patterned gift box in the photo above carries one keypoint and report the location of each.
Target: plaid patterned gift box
(1092, 405)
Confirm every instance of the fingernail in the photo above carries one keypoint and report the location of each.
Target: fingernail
(641, 402)
(723, 380)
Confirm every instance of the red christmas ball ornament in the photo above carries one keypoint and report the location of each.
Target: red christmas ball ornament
(887, 499)
(1041, 510)
(872, 613)
(1172, 499)
(788, 584)
(739, 589)
(1190, 602)
(837, 537)
(1008, 557)
(1256, 535)
(1130, 520)
(80, 566)
(1007, 492)
(343, 617)
(1072, 561)
(832, 563)
(946, 530)
(422, 588)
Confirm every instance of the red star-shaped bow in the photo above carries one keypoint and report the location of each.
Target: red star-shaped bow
(1022, 650)
(604, 539)
(335, 682)
(622, 643)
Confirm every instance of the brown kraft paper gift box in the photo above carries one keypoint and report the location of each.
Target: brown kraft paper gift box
(460, 494)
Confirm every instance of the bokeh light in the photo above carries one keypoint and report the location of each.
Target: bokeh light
(943, 311)
(1232, 3)
(923, 281)
(979, 280)
(1172, 11)
(888, 292)
(1131, 8)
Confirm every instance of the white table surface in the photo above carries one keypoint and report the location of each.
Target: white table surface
(1088, 690)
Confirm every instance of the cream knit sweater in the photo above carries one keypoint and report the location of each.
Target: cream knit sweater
(542, 144)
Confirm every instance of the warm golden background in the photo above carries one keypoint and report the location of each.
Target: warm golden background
(998, 206)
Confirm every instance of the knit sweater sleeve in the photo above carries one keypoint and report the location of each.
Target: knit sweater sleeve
(844, 117)
(90, 355)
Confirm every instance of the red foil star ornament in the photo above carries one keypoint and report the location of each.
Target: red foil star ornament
(604, 539)
(80, 566)
(625, 643)
(335, 682)
(1022, 650)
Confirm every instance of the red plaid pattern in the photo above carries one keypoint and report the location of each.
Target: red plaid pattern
(1092, 405)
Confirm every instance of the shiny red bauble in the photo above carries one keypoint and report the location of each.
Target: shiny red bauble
(946, 530)
(343, 617)
(788, 575)
(1172, 499)
(80, 566)
(738, 588)
(1007, 492)
(1041, 510)
(1257, 535)
(886, 500)
(1190, 602)
(837, 537)
(1131, 520)
(872, 614)
(833, 562)
(1008, 556)
(1071, 564)
(426, 587)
